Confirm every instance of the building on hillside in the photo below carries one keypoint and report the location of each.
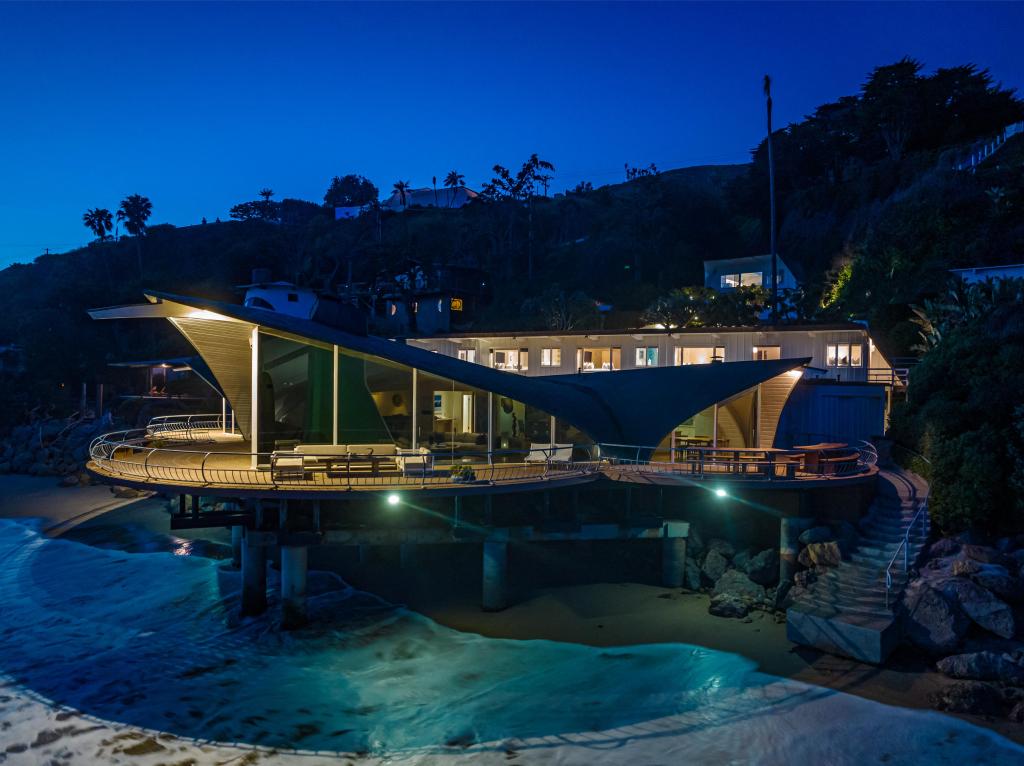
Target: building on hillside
(845, 393)
(748, 271)
(446, 197)
(982, 273)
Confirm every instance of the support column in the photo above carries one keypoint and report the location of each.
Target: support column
(254, 574)
(237, 541)
(294, 565)
(254, 399)
(789, 546)
(407, 555)
(415, 409)
(495, 580)
(673, 553)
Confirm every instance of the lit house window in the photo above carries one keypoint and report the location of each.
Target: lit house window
(647, 356)
(699, 355)
(746, 279)
(467, 354)
(511, 359)
(844, 355)
(551, 357)
(766, 353)
(598, 359)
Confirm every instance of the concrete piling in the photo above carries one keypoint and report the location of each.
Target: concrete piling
(254, 574)
(790, 529)
(495, 574)
(237, 540)
(294, 568)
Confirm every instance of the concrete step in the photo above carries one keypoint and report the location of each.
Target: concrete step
(867, 638)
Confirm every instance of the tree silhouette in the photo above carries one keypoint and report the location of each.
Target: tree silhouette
(453, 181)
(99, 221)
(266, 193)
(774, 289)
(134, 212)
(402, 187)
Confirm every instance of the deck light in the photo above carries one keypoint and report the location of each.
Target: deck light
(720, 492)
(393, 499)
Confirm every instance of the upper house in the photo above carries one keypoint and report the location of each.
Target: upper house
(982, 273)
(447, 197)
(749, 271)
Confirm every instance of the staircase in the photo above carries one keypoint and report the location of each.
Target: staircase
(844, 611)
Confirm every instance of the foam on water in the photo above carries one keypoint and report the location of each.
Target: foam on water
(149, 639)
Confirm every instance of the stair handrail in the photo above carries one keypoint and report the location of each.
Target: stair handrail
(904, 546)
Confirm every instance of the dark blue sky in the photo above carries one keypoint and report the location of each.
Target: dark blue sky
(199, 106)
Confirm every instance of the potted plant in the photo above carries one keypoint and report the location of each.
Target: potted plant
(463, 474)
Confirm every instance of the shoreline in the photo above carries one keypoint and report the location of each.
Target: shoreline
(600, 614)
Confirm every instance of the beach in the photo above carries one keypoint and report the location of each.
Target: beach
(598, 616)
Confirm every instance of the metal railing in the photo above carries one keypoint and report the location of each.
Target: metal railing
(135, 455)
(186, 427)
(701, 462)
(893, 376)
(904, 546)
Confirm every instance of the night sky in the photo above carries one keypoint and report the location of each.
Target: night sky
(199, 106)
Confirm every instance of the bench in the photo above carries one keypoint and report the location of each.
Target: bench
(542, 453)
(305, 458)
(419, 461)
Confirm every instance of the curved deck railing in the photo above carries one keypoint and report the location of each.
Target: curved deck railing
(186, 427)
(156, 457)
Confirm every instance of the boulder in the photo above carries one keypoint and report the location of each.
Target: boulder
(975, 697)
(715, 565)
(691, 575)
(931, 621)
(738, 584)
(816, 535)
(805, 578)
(694, 542)
(985, 554)
(964, 567)
(821, 555)
(998, 581)
(71, 480)
(764, 567)
(729, 605)
(724, 547)
(1017, 713)
(947, 546)
(982, 666)
(980, 605)
(741, 559)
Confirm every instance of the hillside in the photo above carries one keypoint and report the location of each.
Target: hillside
(874, 228)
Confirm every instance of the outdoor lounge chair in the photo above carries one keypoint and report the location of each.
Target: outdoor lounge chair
(415, 462)
(542, 453)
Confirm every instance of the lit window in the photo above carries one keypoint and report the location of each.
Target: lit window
(392, 308)
(844, 355)
(467, 354)
(647, 356)
(456, 304)
(746, 279)
(730, 280)
(766, 353)
(551, 357)
(511, 359)
(598, 359)
(685, 356)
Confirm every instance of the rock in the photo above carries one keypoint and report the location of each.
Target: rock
(782, 596)
(739, 584)
(821, 555)
(804, 579)
(764, 567)
(741, 559)
(125, 492)
(1017, 714)
(5, 467)
(695, 543)
(691, 575)
(729, 605)
(931, 621)
(964, 567)
(980, 605)
(975, 697)
(985, 555)
(947, 546)
(71, 480)
(714, 566)
(982, 666)
(724, 547)
(997, 580)
(815, 535)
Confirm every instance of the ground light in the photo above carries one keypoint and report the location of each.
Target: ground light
(720, 492)
(393, 499)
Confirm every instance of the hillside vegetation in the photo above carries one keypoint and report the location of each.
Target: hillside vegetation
(871, 212)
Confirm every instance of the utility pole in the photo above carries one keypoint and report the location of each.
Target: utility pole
(771, 195)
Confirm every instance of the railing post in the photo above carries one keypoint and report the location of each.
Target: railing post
(202, 468)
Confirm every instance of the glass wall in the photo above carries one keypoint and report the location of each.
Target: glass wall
(295, 387)
(374, 401)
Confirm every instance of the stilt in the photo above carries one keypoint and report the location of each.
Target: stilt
(237, 540)
(789, 545)
(254, 574)
(488, 510)
(495, 574)
(364, 553)
(673, 561)
(294, 565)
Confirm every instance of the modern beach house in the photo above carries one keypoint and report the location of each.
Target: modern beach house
(325, 424)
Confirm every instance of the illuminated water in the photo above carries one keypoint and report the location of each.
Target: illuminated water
(148, 639)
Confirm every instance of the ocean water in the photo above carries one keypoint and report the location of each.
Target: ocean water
(149, 639)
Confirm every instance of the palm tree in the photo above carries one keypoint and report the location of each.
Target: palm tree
(266, 194)
(402, 187)
(453, 181)
(434, 180)
(99, 221)
(135, 211)
(771, 195)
